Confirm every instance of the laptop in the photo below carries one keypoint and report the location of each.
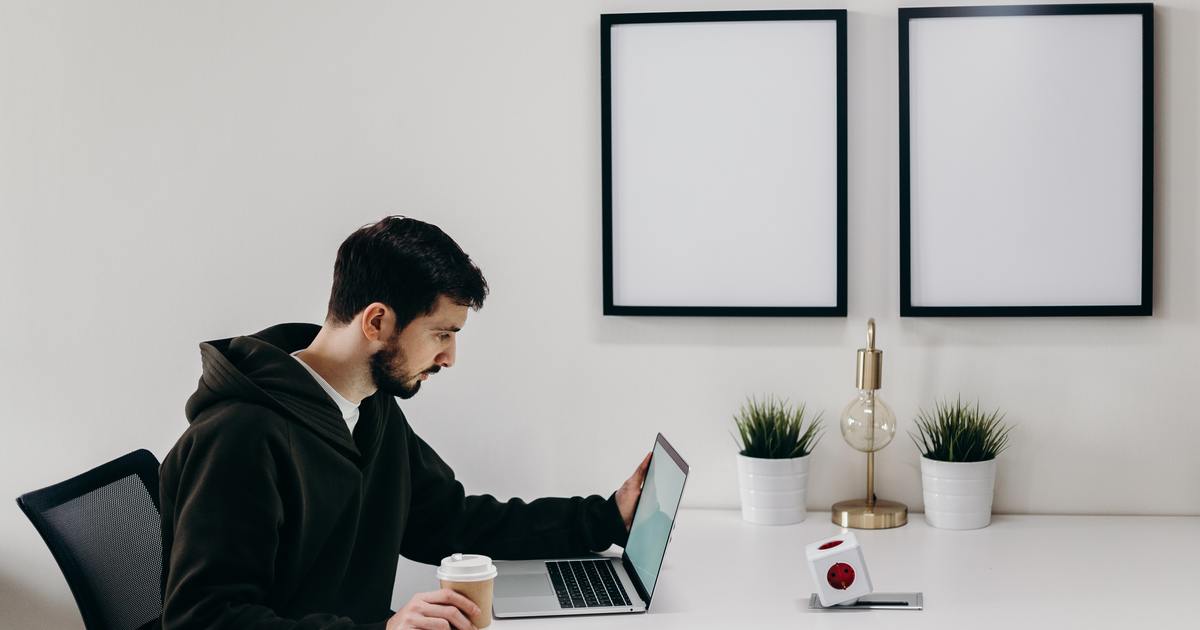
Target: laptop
(598, 585)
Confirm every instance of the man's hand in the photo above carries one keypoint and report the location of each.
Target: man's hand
(628, 493)
(439, 610)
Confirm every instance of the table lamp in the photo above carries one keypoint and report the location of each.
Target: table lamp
(868, 425)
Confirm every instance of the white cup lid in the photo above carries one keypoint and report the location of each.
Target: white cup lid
(465, 567)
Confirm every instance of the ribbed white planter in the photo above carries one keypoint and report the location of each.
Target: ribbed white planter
(774, 491)
(958, 495)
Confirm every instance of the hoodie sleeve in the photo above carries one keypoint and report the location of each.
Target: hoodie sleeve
(443, 520)
(223, 528)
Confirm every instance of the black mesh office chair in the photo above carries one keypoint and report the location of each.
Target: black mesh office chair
(103, 529)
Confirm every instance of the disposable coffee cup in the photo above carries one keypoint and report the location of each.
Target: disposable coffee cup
(473, 577)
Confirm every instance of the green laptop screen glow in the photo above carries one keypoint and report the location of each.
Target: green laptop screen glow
(652, 521)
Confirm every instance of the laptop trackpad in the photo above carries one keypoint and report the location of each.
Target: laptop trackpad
(528, 585)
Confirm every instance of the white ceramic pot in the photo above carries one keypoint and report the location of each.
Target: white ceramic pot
(774, 491)
(958, 495)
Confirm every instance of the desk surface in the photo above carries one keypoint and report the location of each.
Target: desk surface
(1020, 572)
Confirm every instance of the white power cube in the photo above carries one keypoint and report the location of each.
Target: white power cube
(838, 569)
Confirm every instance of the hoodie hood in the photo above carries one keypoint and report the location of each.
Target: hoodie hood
(259, 369)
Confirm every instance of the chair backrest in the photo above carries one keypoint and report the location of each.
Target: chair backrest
(104, 530)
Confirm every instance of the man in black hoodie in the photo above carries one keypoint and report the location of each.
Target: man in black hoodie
(298, 482)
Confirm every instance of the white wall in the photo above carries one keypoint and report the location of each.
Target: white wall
(171, 173)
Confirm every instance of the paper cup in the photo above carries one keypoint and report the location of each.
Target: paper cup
(472, 576)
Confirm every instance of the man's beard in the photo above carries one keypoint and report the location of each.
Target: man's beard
(402, 386)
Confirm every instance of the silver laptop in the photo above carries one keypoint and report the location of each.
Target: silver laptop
(596, 585)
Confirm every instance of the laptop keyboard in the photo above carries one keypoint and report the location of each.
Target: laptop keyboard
(586, 584)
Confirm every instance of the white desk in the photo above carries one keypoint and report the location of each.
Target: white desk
(1026, 572)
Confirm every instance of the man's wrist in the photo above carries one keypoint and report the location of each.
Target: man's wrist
(619, 533)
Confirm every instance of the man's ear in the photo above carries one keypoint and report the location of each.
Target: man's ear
(377, 319)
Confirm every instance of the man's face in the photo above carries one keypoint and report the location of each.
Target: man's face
(422, 348)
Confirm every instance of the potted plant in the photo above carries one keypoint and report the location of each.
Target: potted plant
(959, 444)
(775, 440)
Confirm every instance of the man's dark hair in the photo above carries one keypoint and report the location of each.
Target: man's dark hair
(406, 264)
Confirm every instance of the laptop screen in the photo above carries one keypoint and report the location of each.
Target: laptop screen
(655, 513)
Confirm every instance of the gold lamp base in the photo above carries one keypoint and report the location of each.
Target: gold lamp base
(856, 513)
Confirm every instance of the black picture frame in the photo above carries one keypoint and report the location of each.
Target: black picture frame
(613, 307)
(1142, 306)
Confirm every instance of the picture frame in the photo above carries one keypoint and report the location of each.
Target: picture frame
(1026, 165)
(724, 163)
